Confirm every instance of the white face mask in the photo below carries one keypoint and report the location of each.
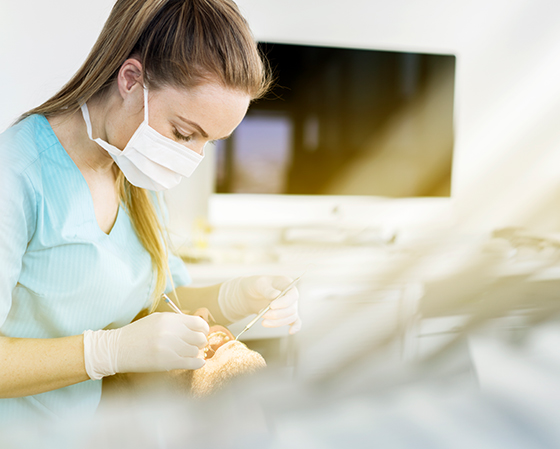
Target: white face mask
(150, 160)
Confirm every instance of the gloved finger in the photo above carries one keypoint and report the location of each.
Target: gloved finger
(197, 339)
(186, 350)
(280, 322)
(189, 336)
(266, 290)
(192, 363)
(195, 323)
(287, 300)
(276, 314)
(295, 327)
(177, 345)
(269, 287)
(280, 283)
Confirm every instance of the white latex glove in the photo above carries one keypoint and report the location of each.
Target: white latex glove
(157, 342)
(244, 296)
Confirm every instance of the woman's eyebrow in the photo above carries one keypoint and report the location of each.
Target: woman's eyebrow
(196, 125)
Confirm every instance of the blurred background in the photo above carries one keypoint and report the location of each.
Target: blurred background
(408, 160)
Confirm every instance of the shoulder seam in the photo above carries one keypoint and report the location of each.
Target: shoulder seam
(38, 157)
(36, 211)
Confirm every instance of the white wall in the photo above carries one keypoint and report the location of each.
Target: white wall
(507, 160)
(42, 43)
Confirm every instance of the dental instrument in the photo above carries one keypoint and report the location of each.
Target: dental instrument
(172, 304)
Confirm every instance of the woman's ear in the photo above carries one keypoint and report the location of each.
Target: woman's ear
(130, 78)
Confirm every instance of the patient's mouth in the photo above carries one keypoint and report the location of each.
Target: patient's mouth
(217, 337)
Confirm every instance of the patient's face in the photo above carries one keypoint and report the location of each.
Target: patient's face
(225, 358)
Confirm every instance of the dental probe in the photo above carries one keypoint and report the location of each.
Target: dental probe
(267, 308)
(172, 304)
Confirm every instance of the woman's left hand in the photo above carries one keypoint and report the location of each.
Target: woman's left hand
(243, 296)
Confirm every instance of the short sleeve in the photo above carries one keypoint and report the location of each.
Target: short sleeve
(17, 224)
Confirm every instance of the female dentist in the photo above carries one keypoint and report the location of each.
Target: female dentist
(82, 247)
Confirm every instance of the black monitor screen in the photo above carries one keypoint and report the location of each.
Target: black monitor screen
(341, 121)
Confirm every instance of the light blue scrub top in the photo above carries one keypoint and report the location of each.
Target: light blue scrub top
(60, 274)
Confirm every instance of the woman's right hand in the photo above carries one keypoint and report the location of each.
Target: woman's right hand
(157, 342)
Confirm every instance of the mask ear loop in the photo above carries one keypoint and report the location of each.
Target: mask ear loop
(145, 104)
(87, 119)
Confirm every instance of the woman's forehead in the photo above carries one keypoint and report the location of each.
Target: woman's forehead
(208, 94)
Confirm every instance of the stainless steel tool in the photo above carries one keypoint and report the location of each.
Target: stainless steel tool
(172, 304)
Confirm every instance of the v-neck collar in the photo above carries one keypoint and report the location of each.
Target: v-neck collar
(89, 208)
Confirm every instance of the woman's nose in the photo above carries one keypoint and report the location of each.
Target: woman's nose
(200, 148)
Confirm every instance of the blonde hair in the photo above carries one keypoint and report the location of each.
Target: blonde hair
(180, 43)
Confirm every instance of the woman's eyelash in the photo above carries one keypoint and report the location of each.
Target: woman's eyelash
(181, 136)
